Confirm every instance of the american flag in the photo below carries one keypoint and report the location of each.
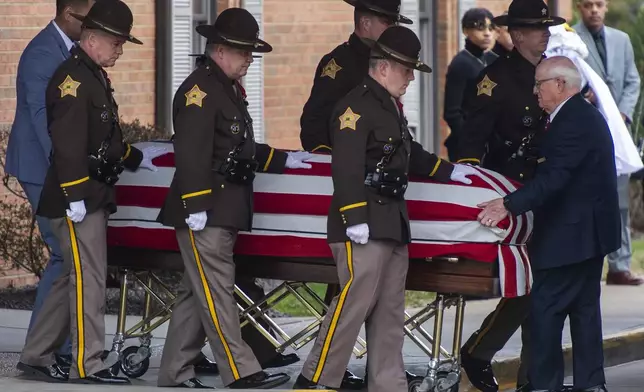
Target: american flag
(291, 209)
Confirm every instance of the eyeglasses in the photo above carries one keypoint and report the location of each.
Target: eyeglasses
(538, 83)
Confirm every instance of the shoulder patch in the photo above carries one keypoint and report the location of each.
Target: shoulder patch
(349, 119)
(485, 86)
(195, 96)
(330, 69)
(68, 87)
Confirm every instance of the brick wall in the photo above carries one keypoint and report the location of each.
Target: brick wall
(133, 77)
(301, 32)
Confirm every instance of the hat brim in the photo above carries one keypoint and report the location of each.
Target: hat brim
(365, 4)
(92, 24)
(507, 20)
(401, 58)
(213, 36)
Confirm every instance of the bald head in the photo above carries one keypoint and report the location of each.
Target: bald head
(556, 79)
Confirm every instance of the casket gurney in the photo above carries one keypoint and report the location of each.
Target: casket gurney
(451, 254)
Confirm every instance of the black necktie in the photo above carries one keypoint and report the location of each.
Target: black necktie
(601, 46)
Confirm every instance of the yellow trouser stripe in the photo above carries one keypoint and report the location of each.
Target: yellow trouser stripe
(80, 358)
(488, 326)
(336, 315)
(270, 158)
(211, 307)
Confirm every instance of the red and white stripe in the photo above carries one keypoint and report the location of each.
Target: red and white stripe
(291, 210)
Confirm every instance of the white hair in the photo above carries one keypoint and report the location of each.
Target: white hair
(562, 67)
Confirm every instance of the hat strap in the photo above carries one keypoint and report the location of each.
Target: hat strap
(108, 28)
(399, 56)
(240, 42)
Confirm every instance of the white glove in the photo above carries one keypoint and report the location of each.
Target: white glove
(461, 172)
(358, 233)
(196, 222)
(76, 211)
(149, 153)
(295, 160)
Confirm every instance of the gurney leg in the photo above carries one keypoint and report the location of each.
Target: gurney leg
(117, 342)
(438, 380)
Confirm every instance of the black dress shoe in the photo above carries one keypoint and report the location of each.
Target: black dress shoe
(194, 383)
(352, 382)
(205, 366)
(304, 383)
(51, 373)
(479, 372)
(260, 380)
(280, 360)
(102, 377)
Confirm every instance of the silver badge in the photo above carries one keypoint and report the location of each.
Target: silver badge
(105, 116)
(527, 121)
(388, 148)
(234, 128)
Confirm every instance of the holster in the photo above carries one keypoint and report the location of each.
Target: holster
(103, 171)
(386, 183)
(239, 171)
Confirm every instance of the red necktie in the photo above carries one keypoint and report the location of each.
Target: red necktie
(547, 125)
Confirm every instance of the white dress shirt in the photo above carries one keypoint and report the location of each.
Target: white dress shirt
(68, 42)
(554, 112)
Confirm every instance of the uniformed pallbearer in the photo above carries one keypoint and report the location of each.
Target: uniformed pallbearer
(502, 131)
(339, 71)
(368, 225)
(88, 155)
(211, 199)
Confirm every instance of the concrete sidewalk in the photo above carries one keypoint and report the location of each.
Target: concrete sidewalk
(622, 314)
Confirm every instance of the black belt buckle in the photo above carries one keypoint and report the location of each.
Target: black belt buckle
(239, 171)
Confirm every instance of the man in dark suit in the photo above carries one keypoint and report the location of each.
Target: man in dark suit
(574, 200)
(29, 143)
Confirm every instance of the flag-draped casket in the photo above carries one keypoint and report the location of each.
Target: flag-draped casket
(290, 218)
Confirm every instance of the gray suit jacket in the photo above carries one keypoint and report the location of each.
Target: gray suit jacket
(621, 74)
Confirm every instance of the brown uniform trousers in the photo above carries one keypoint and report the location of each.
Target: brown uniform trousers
(373, 291)
(76, 301)
(207, 287)
(210, 120)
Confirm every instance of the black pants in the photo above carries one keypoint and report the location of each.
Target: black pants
(570, 291)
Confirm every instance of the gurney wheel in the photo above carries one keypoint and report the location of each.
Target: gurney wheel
(133, 370)
(413, 385)
(443, 379)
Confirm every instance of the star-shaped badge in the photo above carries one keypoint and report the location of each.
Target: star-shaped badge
(331, 69)
(348, 119)
(195, 96)
(68, 87)
(485, 86)
(544, 12)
